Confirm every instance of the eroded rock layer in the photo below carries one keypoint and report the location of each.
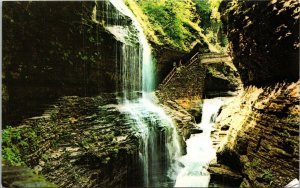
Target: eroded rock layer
(54, 49)
(264, 39)
(259, 132)
(82, 142)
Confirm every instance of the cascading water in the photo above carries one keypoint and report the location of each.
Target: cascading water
(159, 145)
(200, 151)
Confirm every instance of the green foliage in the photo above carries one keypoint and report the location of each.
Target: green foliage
(255, 163)
(106, 160)
(180, 23)
(211, 23)
(204, 10)
(17, 142)
(174, 22)
(10, 151)
(267, 175)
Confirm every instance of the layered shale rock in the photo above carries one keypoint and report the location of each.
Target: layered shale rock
(264, 39)
(79, 142)
(221, 77)
(261, 139)
(54, 49)
(257, 134)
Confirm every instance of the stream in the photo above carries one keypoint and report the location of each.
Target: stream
(200, 151)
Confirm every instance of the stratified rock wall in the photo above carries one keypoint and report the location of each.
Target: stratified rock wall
(259, 132)
(53, 49)
(79, 142)
(264, 39)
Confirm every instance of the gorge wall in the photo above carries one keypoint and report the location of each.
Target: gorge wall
(259, 130)
(50, 52)
(259, 133)
(264, 39)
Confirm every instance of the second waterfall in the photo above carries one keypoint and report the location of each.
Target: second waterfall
(159, 143)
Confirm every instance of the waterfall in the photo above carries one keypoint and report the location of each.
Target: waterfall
(159, 144)
(146, 58)
(200, 151)
(136, 67)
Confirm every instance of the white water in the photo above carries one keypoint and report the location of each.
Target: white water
(160, 148)
(200, 151)
(159, 145)
(138, 60)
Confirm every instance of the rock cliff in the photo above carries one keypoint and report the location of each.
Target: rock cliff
(50, 52)
(259, 133)
(264, 39)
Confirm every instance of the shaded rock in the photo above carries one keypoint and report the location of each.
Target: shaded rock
(263, 36)
(220, 77)
(225, 128)
(41, 64)
(196, 130)
(225, 176)
(261, 144)
(242, 145)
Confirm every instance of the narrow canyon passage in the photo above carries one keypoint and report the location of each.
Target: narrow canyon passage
(158, 93)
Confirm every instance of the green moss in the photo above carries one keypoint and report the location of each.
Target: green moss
(267, 176)
(255, 163)
(106, 160)
(10, 150)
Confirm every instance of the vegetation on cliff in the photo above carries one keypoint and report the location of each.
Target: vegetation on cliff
(180, 24)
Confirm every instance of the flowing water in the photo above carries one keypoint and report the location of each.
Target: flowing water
(159, 143)
(200, 151)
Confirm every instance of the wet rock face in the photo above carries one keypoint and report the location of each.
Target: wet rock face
(52, 49)
(262, 140)
(264, 39)
(81, 141)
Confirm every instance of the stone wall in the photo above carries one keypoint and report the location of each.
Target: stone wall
(187, 82)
